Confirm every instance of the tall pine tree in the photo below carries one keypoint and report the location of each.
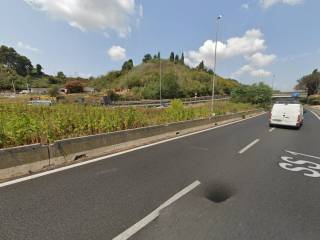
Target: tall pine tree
(172, 57)
(201, 66)
(176, 59)
(182, 59)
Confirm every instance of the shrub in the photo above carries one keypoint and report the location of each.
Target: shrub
(113, 96)
(151, 90)
(170, 87)
(178, 112)
(74, 87)
(54, 91)
(314, 100)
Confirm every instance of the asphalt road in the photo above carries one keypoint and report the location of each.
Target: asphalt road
(260, 198)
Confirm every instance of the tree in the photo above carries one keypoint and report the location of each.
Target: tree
(172, 57)
(256, 94)
(39, 70)
(61, 75)
(23, 66)
(159, 55)
(74, 86)
(182, 59)
(9, 58)
(147, 58)
(210, 71)
(176, 59)
(127, 65)
(310, 82)
(201, 66)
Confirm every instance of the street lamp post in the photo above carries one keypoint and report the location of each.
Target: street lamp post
(160, 73)
(215, 60)
(273, 78)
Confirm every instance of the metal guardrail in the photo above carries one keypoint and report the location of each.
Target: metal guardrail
(165, 102)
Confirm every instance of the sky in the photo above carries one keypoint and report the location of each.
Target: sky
(275, 41)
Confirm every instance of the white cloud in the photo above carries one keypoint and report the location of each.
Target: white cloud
(102, 15)
(117, 53)
(27, 47)
(270, 3)
(82, 75)
(260, 59)
(249, 70)
(250, 47)
(252, 42)
(260, 73)
(245, 6)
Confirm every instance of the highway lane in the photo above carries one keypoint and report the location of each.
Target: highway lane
(100, 200)
(266, 201)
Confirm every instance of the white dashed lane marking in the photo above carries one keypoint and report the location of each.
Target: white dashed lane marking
(243, 150)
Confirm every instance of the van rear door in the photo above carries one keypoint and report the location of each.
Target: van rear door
(285, 114)
(277, 113)
(291, 114)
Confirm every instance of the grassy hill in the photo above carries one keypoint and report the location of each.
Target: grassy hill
(139, 82)
(178, 80)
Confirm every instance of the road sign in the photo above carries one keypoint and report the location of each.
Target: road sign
(295, 94)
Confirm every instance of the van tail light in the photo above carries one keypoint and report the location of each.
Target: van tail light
(299, 119)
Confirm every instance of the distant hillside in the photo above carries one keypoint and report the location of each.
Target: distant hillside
(131, 82)
(178, 80)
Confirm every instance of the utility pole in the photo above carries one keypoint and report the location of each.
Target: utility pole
(215, 61)
(14, 89)
(27, 85)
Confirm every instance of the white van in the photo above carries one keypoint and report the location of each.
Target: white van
(286, 114)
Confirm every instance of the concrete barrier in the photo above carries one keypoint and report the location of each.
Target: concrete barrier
(68, 150)
(26, 159)
(23, 160)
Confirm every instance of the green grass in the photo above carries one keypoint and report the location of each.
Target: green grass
(21, 124)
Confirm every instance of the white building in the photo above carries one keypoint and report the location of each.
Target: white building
(39, 90)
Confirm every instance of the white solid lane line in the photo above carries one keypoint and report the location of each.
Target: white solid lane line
(316, 115)
(23, 179)
(154, 214)
(271, 129)
(243, 150)
(302, 154)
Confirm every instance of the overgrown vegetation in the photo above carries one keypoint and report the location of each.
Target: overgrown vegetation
(178, 80)
(259, 94)
(24, 124)
(312, 100)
